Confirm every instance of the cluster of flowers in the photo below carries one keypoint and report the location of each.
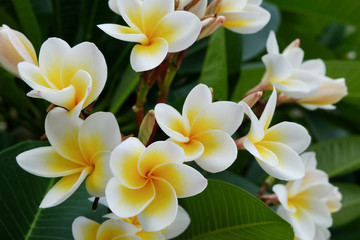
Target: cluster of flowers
(142, 183)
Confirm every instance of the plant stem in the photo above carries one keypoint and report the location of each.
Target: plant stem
(268, 182)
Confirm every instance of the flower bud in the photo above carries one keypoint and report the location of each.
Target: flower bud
(209, 25)
(15, 48)
(147, 127)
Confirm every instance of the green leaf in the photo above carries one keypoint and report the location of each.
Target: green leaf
(350, 209)
(21, 194)
(127, 84)
(338, 156)
(214, 71)
(224, 211)
(344, 12)
(28, 21)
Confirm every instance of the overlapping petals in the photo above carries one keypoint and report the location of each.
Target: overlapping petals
(15, 48)
(148, 181)
(127, 228)
(156, 27)
(204, 129)
(68, 77)
(79, 149)
(277, 148)
(287, 71)
(307, 203)
(244, 16)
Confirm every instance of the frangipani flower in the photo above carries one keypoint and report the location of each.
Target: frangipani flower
(304, 201)
(330, 92)
(148, 181)
(204, 129)
(156, 27)
(79, 148)
(86, 229)
(15, 48)
(68, 77)
(276, 149)
(287, 71)
(199, 8)
(243, 16)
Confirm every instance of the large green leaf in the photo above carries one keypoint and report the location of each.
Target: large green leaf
(345, 11)
(350, 204)
(338, 156)
(224, 211)
(214, 71)
(21, 194)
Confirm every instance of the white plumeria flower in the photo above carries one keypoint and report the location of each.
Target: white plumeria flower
(243, 16)
(199, 8)
(156, 27)
(330, 92)
(68, 77)
(276, 149)
(79, 148)
(15, 48)
(287, 71)
(86, 229)
(304, 201)
(204, 129)
(148, 181)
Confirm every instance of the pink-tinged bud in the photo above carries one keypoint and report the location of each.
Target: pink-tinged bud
(212, 7)
(15, 48)
(147, 127)
(209, 25)
(293, 44)
(253, 98)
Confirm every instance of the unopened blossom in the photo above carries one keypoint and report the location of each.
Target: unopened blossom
(68, 77)
(197, 7)
(277, 148)
(307, 203)
(156, 28)
(79, 149)
(330, 92)
(86, 229)
(204, 129)
(242, 16)
(148, 181)
(15, 48)
(287, 71)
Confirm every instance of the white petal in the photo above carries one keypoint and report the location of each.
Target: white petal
(271, 43)
(199, 8)
(113, 5)
(83, 228)
(220, 151)
(277, 66)
(199, 97)
(50, 57)
(146, 57)
(162, 210)
(32, 76)
(62, 132)
(180, 29)
(282, 194)
(124, 163)
(290, 166)
(223, 115)
(46, 162)
(85, 56)
(131, 12)
(63, 189)
(158, 153)
(180, 224)
(111, 229)
(269, 110)
(123, 33)
(99, 132)
(171, 122)
(126, 202)
(303, 225)
(292, 134)
(316, 66)
(185, 180)
(256, 132)
(251, 148)
(319, 213)
(193, 149)
(153, 11)
(294, 56)
(309, 160)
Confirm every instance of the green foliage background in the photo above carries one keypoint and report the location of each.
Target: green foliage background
(228, 62)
